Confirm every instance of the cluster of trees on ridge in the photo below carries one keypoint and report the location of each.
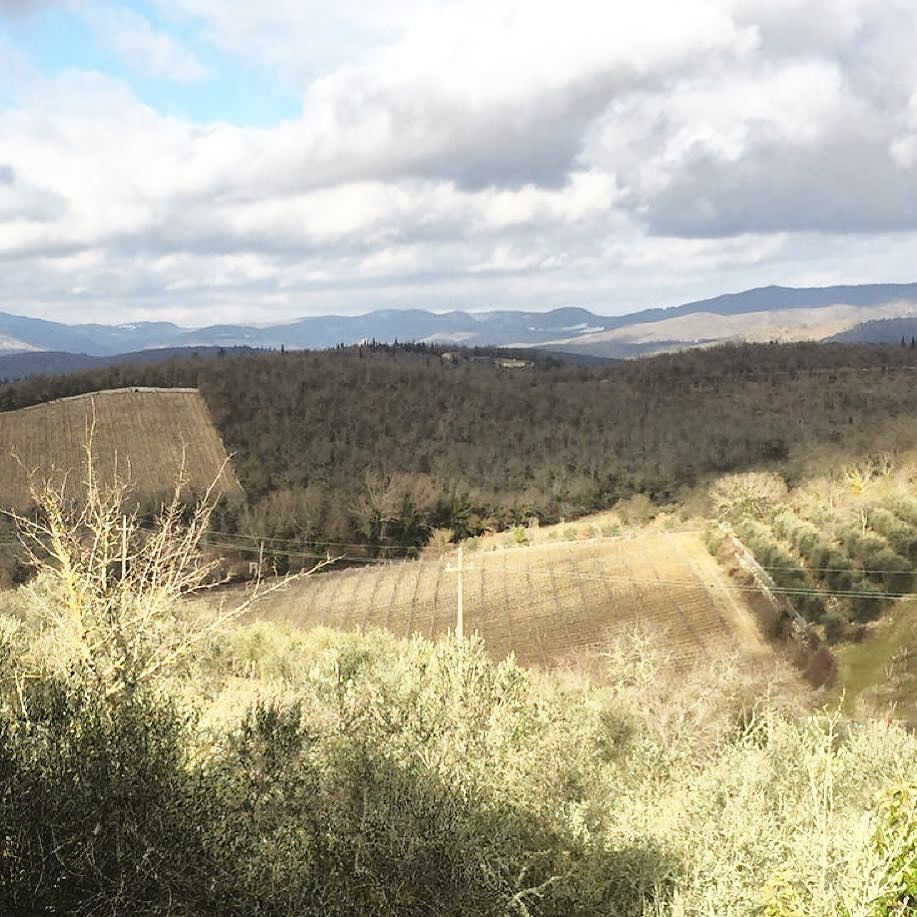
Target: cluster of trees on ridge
(374, 446)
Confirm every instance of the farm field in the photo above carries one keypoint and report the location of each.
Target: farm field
(142, 432)
(545, 603)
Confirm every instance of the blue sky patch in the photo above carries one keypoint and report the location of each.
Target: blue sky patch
(58, 39)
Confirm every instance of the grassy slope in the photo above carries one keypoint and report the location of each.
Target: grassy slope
(881, 672)
(877, 674)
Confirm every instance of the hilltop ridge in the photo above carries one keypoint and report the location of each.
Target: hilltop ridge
(760, 314)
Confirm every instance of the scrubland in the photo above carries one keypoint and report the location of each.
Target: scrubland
(164, 756)
(278, 771)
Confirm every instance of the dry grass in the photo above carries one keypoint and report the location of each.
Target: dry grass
(143, 434)
(545, 603)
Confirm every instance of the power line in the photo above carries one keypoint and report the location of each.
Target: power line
(850, 569)
(299, 541)
(694, 583)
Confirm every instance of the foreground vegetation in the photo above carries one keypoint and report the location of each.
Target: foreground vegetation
(156, 759)
(373, 776)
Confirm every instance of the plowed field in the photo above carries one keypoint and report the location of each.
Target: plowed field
(545, 602)
(143, 432)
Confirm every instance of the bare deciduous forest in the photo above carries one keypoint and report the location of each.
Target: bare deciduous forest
(378, 445)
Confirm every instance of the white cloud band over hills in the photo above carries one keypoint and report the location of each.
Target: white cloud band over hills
(468, 154)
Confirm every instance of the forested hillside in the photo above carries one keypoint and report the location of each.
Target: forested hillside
(376, 445)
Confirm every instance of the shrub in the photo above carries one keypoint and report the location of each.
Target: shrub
(753, 494)
(805, 537)
(112, 585)
(714, 538)
(890, 569)
(880, 562)
(867, 603)
(859, 545)
(901, 535)
(895, 843)
(904, 508)
(835, 627)
(786, 572)
(101, 814)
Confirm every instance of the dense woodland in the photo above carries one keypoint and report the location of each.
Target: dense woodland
(376, 445)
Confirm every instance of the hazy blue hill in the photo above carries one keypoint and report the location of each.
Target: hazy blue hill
(882, 331)
(50, 362)
(775, 297)
(483, 329)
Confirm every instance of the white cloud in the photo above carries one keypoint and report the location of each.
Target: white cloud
(472, 153)
(143, 48)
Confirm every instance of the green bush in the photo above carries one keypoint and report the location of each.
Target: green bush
(904, 508)
(891, 570)
(835, 627)
(100, 811)
(901, 535)
(408, 778)
(861, 546)
(714, 538)
(895, 843)
(867, 602)
(879, 561)
(805, 537)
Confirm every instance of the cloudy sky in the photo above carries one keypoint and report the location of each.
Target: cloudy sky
(208, 160)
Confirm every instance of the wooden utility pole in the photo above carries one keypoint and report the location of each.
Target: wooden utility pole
(458, 569)
(123, 548)
(459, 611)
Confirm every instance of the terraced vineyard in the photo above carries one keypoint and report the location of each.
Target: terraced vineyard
(543, 602)
(143, 432)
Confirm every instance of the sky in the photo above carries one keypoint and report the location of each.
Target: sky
(209, 161)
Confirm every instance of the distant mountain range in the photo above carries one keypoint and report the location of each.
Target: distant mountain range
(768, 313)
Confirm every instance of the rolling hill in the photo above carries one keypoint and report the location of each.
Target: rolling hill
(144, 433)
(379, 445)
(880, 331)
(762, 314)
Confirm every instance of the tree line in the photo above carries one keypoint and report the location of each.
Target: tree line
(368, 449)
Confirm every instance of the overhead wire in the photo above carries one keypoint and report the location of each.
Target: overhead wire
(693, 583)
(256, 549)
